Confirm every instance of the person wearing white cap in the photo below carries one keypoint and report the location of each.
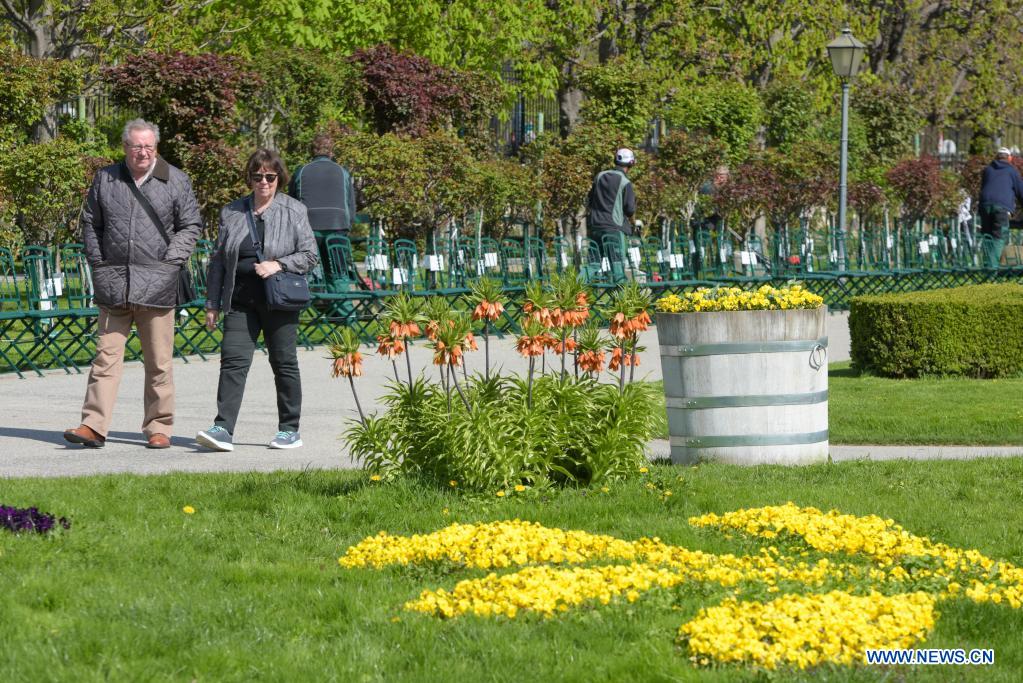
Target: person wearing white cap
(1000, 187)
(612, 201)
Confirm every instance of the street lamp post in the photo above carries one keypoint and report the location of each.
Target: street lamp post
(846, 54)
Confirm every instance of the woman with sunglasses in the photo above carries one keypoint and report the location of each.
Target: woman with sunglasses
(276, 226)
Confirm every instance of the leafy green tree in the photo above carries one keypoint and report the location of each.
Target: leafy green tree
(727, 110)
(302, 91)
(788, 112)
(29, 87)
(619, 94)
(46, 183)
(890, 120)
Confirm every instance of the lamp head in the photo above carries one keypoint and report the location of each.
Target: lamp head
(846, 54)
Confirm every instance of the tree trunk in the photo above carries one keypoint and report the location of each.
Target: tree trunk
(570, 100)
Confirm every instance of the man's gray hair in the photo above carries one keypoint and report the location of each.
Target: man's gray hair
(139, 124)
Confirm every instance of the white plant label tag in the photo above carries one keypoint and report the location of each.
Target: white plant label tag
(490, 259)
(721, 255)
(924, 247)
(634, 256)
(605, 265)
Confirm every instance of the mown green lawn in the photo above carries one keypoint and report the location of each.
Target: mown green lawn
(876, 410)
(249, 588)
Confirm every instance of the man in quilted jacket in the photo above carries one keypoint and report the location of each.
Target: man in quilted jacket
(139, 224)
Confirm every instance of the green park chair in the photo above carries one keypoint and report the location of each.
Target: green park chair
(537, 263)
(405, 272)
(513, 263)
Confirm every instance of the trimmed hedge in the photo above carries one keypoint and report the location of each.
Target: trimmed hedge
(974, 331)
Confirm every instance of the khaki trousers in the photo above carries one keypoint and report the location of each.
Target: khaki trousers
(156, 332)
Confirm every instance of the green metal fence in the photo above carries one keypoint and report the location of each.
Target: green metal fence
(48, 317)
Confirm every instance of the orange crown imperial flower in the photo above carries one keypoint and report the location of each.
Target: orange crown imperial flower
(470, 342)
(490, 310)
(389, 346)
(530, 346)
(591, 361)
(400, 330)
(347, 365)
(569, 346)
(618, 359)
(619, 326)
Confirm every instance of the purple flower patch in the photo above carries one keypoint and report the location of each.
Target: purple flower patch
(17, 520)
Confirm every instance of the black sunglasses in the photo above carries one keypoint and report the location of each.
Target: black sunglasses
(258, 177)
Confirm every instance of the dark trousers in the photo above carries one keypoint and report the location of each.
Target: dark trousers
(280, 334)
(994, 226)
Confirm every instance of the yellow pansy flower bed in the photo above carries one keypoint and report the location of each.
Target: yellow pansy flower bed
(765, 298)
(879, 589)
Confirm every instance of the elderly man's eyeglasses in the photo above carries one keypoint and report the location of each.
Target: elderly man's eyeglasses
(141, 148)
(259, 177)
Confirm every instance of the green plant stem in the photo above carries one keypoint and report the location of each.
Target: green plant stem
(529, 383)
(394, 364)
(564, 337)
(454, 376)
(486, 345)
(362, 416)
(632, 368)
(621, 368)
(408, 359)
(575, 353)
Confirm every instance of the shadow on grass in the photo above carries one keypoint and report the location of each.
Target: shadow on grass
(847, 371)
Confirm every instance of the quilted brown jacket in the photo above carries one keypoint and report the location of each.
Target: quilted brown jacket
(131, 262)
(288, 239)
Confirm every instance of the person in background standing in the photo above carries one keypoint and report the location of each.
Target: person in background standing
(1000, 187)
(327, 190)
(612, 201)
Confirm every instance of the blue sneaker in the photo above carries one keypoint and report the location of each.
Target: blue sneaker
(216, 438)
(286, 440)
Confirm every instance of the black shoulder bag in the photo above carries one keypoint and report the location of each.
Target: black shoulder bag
(186, 287)
(284, 291)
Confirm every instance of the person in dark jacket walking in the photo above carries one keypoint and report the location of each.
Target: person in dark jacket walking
(1000, 187)
(234, 287)
(326, 188)
(612, 201)
(139, 223)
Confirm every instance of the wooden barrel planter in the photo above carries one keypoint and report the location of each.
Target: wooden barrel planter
(746, 387)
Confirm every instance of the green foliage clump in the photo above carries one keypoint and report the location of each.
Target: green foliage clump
(974, 331)
(788, 113)
(46, 182)
(727, 110)
(619, 94)
(28, 87)
(576, 431)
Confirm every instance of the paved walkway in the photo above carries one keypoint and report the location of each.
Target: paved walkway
(37, 410)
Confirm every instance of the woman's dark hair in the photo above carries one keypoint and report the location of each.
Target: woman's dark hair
(271, 159)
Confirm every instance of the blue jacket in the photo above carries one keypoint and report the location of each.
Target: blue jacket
(1001, 185)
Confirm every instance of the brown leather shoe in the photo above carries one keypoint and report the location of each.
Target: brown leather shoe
(158, 441)
(84, 435)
